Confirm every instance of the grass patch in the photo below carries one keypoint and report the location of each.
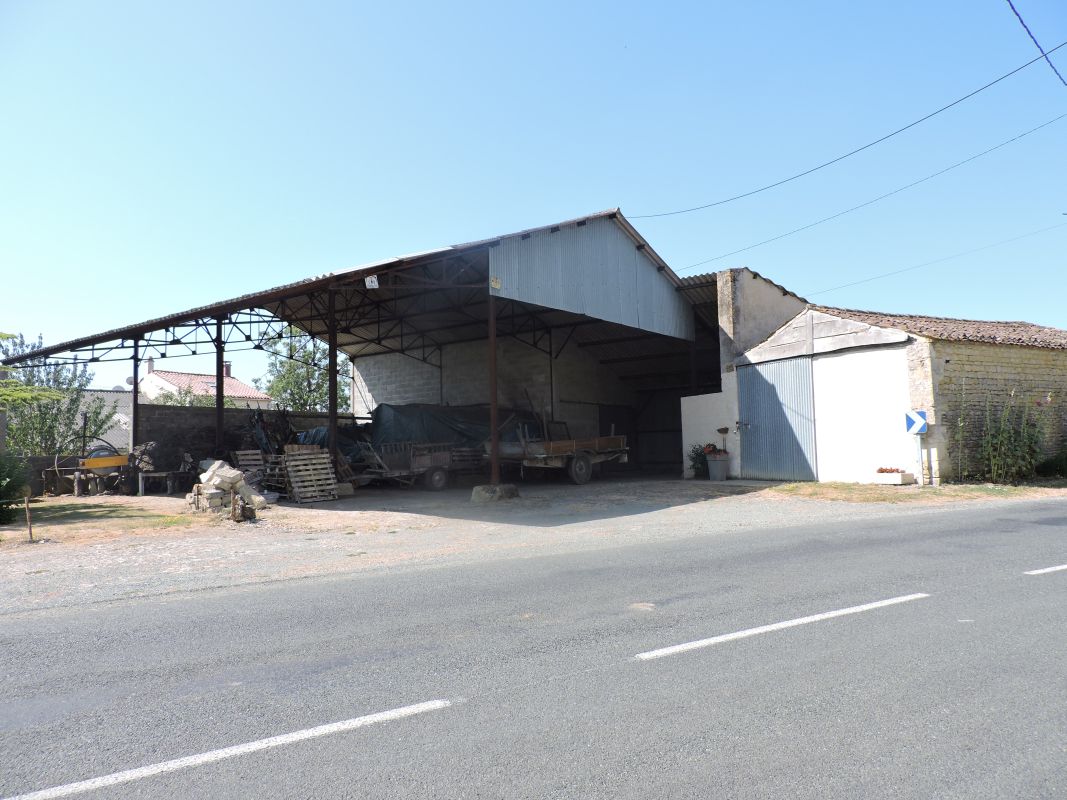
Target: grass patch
(173, 521)
(867, 493)
(121, 516)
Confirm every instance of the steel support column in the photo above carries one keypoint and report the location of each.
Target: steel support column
(135, 400)
(331, 372)
(494, 434)
(220, 391)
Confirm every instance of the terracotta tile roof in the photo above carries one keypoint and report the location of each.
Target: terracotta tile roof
(1024, 334)
(205, 384)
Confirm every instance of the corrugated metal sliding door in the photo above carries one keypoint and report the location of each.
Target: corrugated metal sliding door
(777, 408)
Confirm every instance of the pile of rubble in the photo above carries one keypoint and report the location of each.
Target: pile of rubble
(223, 489)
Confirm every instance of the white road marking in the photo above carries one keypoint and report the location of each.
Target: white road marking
(777, 626)
(1046, 570)
(229, 752)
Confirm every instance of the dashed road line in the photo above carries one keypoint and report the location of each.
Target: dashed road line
(212, 756)
(1046, 570)
(777, 626)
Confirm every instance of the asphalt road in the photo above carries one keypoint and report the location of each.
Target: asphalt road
(961, 692)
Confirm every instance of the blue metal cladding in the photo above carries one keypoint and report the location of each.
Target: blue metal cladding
(777, 408)
(593, 269)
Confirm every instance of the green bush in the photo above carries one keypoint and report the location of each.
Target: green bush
(698, 461)
(1010, 444)
(1055, 467)
(12, 485)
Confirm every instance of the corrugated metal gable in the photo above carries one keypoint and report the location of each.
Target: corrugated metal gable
(593, 269)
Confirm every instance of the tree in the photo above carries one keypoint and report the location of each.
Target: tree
(186, 397)
(297, 376)
(45, 415)
(14, 392)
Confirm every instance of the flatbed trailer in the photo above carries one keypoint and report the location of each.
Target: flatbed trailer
(407, 462)
(576, 456)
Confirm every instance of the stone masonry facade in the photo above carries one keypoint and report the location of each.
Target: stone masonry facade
(961, 379)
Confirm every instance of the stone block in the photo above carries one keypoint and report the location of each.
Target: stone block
(225, 477)
(492, 494)
(252, 497)
(209, 474)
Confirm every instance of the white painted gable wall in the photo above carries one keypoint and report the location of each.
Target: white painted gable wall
(861, 397)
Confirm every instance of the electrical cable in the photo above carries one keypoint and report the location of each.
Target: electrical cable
(938, 260)
(932, 114)
(876, 199)
(1033, 39)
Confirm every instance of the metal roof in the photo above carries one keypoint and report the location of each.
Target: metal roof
(441, 321)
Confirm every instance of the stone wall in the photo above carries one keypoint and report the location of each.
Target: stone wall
(751, 308)
(966, 377)
(192, 429)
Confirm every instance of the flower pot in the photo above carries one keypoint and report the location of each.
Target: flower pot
(718, 464)
(893, 478)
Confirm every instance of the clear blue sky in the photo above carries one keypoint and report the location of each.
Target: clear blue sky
(158, 156)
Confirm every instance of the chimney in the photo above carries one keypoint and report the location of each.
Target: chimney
(149, 365)
(226, 369)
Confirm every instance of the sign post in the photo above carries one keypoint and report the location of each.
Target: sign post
(917, 425)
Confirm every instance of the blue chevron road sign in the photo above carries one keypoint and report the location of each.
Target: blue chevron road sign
(916, 421)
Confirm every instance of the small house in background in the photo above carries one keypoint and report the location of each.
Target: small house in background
(813, 392)
(158, 381)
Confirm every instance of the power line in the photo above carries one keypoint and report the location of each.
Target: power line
(1033, 39)
(938, 260)
(852, 152)
(876, 199)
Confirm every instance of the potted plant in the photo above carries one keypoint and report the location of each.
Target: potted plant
(717, 461)
(893, 476)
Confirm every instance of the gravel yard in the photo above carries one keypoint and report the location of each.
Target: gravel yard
(99, 549)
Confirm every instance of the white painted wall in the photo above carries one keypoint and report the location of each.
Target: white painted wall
(152, 386)
(704, 414)
(861, 397)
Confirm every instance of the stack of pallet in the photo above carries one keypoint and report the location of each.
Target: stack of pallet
(250, 462)
(274, 474)
(309, 476)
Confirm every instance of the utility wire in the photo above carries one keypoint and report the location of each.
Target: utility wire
(876, 199)
(932, 114)
(938, 260)
(1033, 39)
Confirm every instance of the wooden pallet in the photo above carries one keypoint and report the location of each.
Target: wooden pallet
(309, 476)
(250, 462)
(274, 477)
(246, 460)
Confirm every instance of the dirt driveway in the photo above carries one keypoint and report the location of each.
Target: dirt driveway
(101, 549)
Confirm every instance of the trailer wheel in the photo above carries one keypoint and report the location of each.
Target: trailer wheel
(435, 479)
(580, 468)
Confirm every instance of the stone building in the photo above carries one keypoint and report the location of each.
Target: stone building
(824, 394)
